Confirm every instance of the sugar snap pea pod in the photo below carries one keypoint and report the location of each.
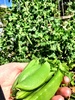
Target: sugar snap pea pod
(30, 95)
(48, 91)
(36, 79)
(50, 76)
(22, 94)
(31, 63)
(30, 68)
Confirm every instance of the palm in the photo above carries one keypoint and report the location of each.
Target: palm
(8, 74)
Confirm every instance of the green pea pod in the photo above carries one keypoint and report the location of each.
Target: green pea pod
(49, 90)
(30, 95)
(36, 79)
(22, 94)
(50, 76)
(30, 68)
(32, 62)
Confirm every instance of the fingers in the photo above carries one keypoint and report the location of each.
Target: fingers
(66, 80)
(58, 97)
(63, 92)
(20, 66)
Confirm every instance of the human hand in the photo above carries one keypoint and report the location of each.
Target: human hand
(8, 74)
(63, 92)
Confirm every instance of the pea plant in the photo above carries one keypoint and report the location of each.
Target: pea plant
(34, 29)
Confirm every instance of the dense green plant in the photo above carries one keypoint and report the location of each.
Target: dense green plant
(34, 29)
(3, 12)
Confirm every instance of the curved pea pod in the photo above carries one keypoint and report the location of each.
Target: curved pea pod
(49, 90)
(29, 69)
(19, 78)
(50, 76)
(22, 94)
(36, 79)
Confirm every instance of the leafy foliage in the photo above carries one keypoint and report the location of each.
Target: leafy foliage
(34, 29)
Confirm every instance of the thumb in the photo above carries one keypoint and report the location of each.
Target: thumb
(20, 66)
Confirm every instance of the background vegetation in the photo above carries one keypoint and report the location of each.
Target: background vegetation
(34, 28)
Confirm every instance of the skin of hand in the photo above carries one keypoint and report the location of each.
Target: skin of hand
(8, 74)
